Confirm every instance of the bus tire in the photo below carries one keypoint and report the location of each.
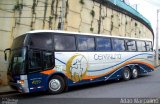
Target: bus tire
(126, 74)
(134, 72)
(56, 85)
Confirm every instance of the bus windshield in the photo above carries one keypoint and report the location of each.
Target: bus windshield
(19, 42)
(17, 62)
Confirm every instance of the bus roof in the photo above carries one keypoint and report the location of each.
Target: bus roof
(90, 34)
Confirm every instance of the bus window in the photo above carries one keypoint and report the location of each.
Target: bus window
(35, 63)
(103, 44)
(41, 41)
(118, 44)
(149, 46)
(64, 42)
(86, 43)
(48, 60)
(130, 45)
(141, 46)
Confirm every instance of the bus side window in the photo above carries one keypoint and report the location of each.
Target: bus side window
(118, 44)
(130, 45)
(41, 41)
(35, 61)
(47, 60)
(149, 46)
(63, 42)
(86, 43)
(103, 44)
(141, 46)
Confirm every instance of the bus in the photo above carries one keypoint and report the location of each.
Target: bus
(52, 60)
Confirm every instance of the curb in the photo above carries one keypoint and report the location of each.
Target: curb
(9, 92)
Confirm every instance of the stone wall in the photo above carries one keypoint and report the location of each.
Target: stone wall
(20, 16)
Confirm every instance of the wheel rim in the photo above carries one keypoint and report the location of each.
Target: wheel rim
(54, 84)
(135, 73)
(126, 74)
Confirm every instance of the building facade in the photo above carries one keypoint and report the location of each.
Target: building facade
(111, 17)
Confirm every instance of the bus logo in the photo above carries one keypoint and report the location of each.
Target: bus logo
(76, 67)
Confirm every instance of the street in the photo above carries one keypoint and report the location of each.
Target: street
(146, 86)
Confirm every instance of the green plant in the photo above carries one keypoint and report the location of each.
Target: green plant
(50, 17)
(18, 7)
(82, 2)
(112, 16)
(92, 13)
(103, 18)
(126, 22)
(92, 29)
(111, 26)
(59, 25)
(56, 16)
(67, 8)
(136, 24)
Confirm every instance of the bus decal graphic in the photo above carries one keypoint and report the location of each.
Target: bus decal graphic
(120, 62)
(117, 68)
(112, 65)
(77, 67)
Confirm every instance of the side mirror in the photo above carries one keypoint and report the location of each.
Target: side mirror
(5, 54)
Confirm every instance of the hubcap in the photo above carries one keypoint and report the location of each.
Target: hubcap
(135, 72)
(54, 84)
(126, 74)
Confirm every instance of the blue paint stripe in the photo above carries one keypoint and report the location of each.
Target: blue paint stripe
(60, 61)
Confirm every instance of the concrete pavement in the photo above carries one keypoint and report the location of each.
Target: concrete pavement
(6, 90)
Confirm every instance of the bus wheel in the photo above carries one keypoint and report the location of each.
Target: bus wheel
(126, 74)
(134, 72)
(56, 85)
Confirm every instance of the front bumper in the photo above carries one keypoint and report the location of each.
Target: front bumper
(19, 87)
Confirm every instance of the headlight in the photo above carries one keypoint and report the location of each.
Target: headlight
(20, 82)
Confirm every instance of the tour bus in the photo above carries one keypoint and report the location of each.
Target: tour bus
(52, 60)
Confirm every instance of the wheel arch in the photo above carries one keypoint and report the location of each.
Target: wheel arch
(58, 74)
(127, 66)
(138, 68)
(132, 66)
